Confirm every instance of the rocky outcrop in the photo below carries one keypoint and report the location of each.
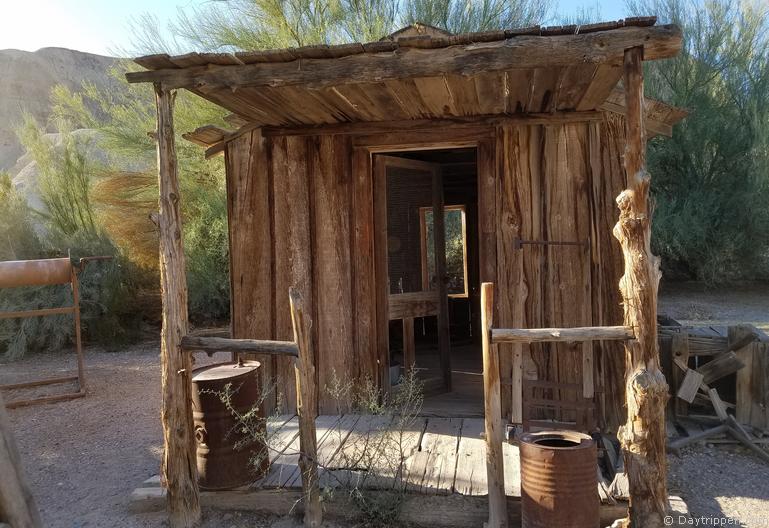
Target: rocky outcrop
(26, 80)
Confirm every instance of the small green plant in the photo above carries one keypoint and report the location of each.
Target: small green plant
(370, 467)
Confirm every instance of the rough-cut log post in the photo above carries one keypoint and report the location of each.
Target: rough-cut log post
(179, 467)
(78, 337)
(492, 408)
(17, 507)
(304, 367)
(646, 392)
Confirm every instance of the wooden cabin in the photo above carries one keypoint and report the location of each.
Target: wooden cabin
(385, 181)
(343, 153)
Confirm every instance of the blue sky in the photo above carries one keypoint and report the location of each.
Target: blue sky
(101, 26)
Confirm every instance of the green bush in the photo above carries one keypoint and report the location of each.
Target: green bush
(710, 180)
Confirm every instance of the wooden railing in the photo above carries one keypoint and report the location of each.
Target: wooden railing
(304, 369)
(491, 386)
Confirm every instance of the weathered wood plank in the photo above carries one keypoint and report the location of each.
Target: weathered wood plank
(719, 367)
(363, 272)
(291, 246)
(563, 335)
(470, 478)
(413, 304)
(440, 440)
(237, 346)
(332, 272)
(251, 257)
(519, 52)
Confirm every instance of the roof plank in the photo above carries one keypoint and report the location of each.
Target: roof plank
(403, 62)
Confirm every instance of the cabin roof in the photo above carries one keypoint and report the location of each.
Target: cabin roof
(420, 72)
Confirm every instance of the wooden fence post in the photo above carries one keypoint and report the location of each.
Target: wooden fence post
(304, 368)
(495, 469)
(646, 392)
(179, 467)
(17, 506)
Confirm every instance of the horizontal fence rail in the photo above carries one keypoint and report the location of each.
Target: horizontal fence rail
(246, 346)
(542, 335)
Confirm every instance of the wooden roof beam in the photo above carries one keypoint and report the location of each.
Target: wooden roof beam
(604, 47)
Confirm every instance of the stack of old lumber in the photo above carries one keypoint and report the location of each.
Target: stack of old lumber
(724, 373)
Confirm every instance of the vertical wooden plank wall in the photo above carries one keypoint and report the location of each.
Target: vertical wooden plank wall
(250, 229)
(301, 214)
(607, 142)
(299, 218)
(558, 183)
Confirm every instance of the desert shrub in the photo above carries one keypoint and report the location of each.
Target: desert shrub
(66, 225)
(18, 237)
(126, 192)
(710, 180)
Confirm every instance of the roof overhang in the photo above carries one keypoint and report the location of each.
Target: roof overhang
(423, 76)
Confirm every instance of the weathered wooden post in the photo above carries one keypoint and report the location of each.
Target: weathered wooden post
(306, 404)
(492, 407)
(17, 506)
(646, 392)
(179, 469)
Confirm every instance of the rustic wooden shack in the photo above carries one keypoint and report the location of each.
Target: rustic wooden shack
(339, 169)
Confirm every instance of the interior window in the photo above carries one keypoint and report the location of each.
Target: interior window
(456, 249)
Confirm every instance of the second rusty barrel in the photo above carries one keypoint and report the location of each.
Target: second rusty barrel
(559, 484)
(229, 427)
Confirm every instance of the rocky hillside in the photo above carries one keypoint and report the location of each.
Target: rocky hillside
(26, 79)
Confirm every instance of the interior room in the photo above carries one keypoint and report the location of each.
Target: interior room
(412, 268)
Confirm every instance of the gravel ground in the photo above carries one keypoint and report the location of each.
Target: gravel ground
(84, 457)
(719, 481)
(723, 482)
(692, 303)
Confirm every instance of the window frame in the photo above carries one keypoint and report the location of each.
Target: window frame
(423, 245)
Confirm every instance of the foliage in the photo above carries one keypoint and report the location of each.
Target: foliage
(482, 15)
(67, 224)
(64, 177)
(372, 457)
(126, 192)
(18, 238)
(259, 24)
(711, 179)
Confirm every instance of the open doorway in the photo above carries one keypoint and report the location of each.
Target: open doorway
(431, 212)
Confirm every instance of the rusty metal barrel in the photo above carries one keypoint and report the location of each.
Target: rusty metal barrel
(224, 397)
(559, 484)
(42, 272)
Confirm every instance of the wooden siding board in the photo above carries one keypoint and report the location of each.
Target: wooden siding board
(363, 284)
(331, 174)
(291, 240)
(248, 206)
(606, 142)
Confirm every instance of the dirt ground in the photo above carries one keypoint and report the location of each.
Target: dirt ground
(84, 457)
(692, 303)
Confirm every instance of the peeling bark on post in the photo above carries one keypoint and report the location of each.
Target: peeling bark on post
(179, 469)
(646, 392)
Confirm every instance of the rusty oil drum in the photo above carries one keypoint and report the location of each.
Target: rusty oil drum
(559, 483)
(227, 458)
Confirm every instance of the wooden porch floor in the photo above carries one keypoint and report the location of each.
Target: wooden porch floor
(427, 455)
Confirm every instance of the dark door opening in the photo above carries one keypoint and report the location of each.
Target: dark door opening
(432, 275)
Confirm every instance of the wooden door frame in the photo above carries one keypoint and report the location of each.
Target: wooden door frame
(483, 140)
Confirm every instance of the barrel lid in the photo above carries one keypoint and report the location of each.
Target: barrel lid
(220, 371)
